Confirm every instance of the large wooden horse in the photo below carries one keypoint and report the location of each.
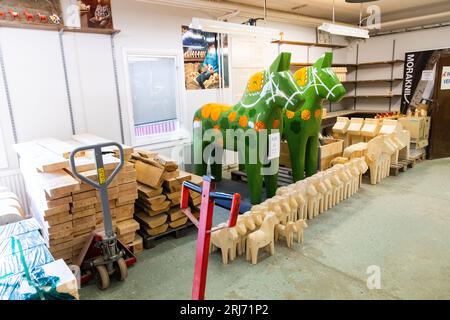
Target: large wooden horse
(301, 128)
(267, 94)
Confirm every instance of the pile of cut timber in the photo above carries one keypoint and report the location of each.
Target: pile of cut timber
(159, 193)
(67, 209)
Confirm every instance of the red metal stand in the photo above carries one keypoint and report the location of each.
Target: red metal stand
(204, 226)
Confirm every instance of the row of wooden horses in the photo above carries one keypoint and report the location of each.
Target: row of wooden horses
(285, 214)
(41, 18)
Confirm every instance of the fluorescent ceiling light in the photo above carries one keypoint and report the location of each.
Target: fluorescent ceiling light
(233, 28)
(341, 30)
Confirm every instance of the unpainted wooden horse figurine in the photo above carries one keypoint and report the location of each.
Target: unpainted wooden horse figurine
(311, 195)
(338, 185)
(353, 170)
(248, 221)
(378, 157)
(286, 231)
(320, 186)
(327, 189)
(362, 167)
(274, 206)
(346, 178)
(288, 204)
(224, 239)
(300, 225)
(300, 199)
(267, 94)
(262, 238)
(293, 204)
(242, 231)
(258, 212)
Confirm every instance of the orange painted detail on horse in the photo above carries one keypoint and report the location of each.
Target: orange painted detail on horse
(276, 124)
(318, 113)
(256, 82)
(232, 116)
(206, 111)
(215, 112)
(260, 125)
(305, 115)
(290, 114)
(301, 76)
(243, 121)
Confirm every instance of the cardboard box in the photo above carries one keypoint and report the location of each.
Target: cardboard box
(330, 149)
(419, 127)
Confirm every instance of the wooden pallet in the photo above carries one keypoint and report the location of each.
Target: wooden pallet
(395, 169)
(284, 176)
(137, 245)
(417, 158)
(150, 241)
(409, 164)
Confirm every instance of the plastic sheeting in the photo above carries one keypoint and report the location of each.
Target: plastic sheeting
(39, 287)
(18, 228)
(27, 259)
(23, 255)
(27, 240)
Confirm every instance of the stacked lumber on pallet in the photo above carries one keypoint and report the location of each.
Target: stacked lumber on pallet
(159, 193)
(70, 210)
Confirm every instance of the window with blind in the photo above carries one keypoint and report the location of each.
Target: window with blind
(154, 95)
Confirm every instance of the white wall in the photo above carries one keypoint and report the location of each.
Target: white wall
(36, 76)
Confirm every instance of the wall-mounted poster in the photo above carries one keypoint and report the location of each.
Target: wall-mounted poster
(32, 11)
(205, 59)
(95, 14)
(419, 78)
(445, 79)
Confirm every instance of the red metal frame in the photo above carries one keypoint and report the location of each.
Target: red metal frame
(205, 227)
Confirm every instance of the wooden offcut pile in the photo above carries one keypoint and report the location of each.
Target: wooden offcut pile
(159, 193)
(69, 210)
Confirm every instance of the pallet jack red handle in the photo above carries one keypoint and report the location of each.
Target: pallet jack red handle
(204, 226)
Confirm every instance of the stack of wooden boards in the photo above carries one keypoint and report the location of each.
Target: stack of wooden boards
(67, 209)
(159, 193)
(10, 208)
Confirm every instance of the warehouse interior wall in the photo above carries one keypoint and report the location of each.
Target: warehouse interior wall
(39, 99)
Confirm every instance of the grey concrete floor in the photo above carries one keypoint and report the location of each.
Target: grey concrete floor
(401, 225)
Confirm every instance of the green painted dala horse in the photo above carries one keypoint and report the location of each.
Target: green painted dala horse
(302, 127)
(267, 95)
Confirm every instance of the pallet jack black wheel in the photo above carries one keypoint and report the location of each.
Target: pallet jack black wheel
(102, 277)
(122, 271)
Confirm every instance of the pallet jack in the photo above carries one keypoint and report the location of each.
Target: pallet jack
(204, 226)
(102, 255)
